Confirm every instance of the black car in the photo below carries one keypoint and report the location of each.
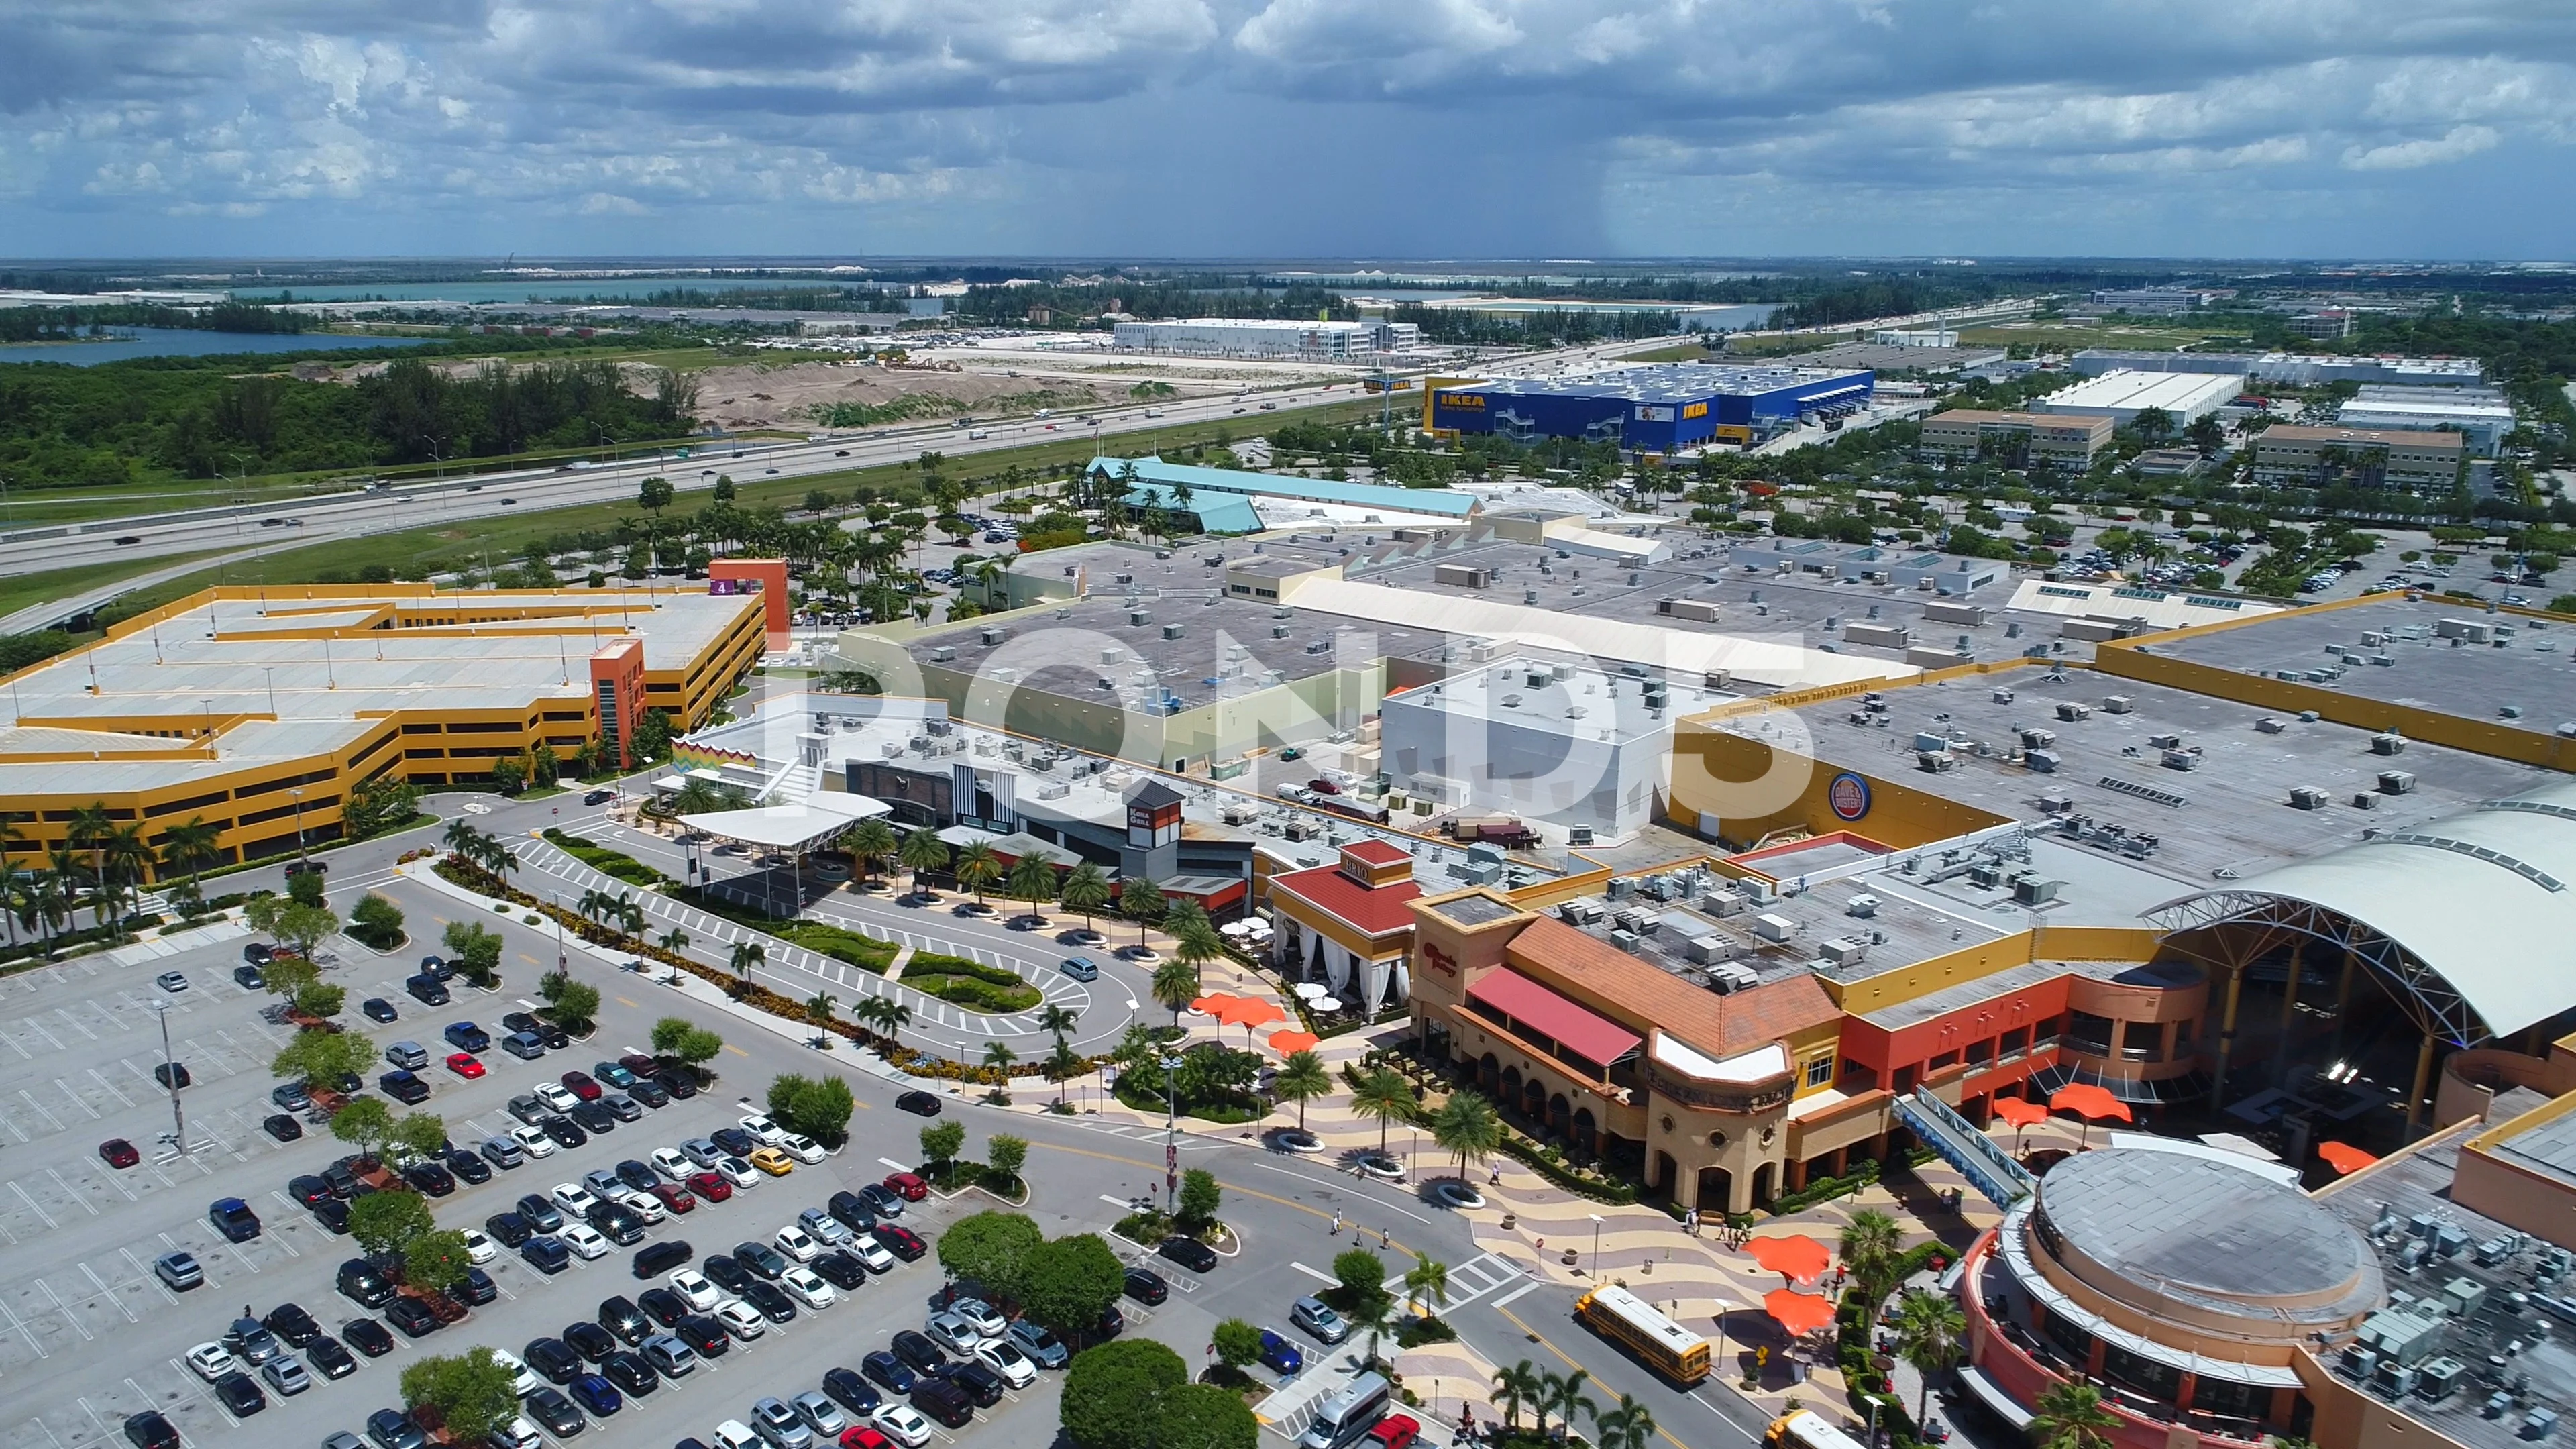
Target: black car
(240, 1395)
(761, 1258)
(618, 1223)
(637, 1176)
(333, 1214)
(904, 1243)
(734, 1141)
(888, 1370)
(980, 1383)
(678, 1085)
(704, 1335)
(282, 1127)
(290, 1322)
(308, 1189)
(771, 1300)
(554, 1413)
(590, 1340)
(620, 1315)
(509, 1229)
(411, 1316)
(840, 1270)
(148, 1430)
(725, 1272)
(547, 1255)
(1190, 1253)
(1112, 1323)
(426, 989)
(553, 1360)
(943, 1401)
(367, 1336)
(255, 954)
(662, 1257)
(595, 1117)
(630, 1373)
(404, 1087)
(852, 1211)
(566, 1132)
(327, 1355)
(172, 1075)
(916, 1350)
(852, 1392)
(476, 1288)
(541, 1212)
(376, 1008)
(1147, 1286)
(650, 1092)
(432, 1179)
(469, 1167)
(547, 1031)
(920, 1104)
(394, 1429)
(250, 978)
(662, 1305)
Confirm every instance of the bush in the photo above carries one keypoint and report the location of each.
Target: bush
(970, 984)
(606, 861)
(376, 922)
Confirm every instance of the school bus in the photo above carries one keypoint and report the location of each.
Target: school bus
(1803, 1430)
(1628, 1320)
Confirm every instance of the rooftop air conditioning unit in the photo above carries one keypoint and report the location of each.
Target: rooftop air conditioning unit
(2308, 797)
(2032, 890)
(1723, 904)
(1624, 940)
(2396, 782)
(1844, 952)
(1140, 617)
(995, 636)
(1863, 906)
(2388, 742)
(2116, 704)
(1774, 928)
(2070, 711)
(943, 653)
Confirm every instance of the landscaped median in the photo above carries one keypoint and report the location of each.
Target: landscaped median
(971, 984)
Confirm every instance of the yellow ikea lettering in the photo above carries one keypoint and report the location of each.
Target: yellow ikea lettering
(1695, 410)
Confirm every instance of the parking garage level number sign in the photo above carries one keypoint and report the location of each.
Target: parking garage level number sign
(1848, 794)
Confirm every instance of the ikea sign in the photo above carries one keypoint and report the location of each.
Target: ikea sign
(1462, 400)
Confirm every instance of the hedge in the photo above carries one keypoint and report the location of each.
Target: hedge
(1854, 1349)
(606, 861)
(970, 984)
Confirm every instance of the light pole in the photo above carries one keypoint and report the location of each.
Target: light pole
(178, 1115)
(297, 795)
(1171, 1135)
(1596, 1243)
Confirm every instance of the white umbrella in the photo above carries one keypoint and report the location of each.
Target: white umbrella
(1313, 990)
(1326, 1003)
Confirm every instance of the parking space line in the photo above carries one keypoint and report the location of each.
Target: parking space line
(101, 1078)
(74, 1098)
(77, 1024)
(38, 1028)
(40, 1108)
(78, 1197)
(147, 1275)
(68, 1316)
(32, 1205)
(92, 1274)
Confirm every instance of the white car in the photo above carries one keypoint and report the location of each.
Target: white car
(696, 1290)
(478, 1248)
(903, 1424)
(518, 1434)
(533, 1141)
(759, 1126)
(798, 1244)
(212, 1361)
(523, 1379)
(584, 1240)
(741, 1319)
(808, 1286)
(981, 1315)
(801, 1147)
(872, 1254)
(1004, 1359)
(557, 1096)
(646, 1205)
(672, 1164)
(738, 1172)
(575, 1199)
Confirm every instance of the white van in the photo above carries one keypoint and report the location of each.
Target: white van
(1349, 1414)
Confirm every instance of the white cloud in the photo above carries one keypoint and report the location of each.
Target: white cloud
(2452, 145)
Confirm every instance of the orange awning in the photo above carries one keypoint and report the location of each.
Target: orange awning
(1798, 1257)
(1248, 1011)
(2343, 1157)
(1800, 1313)
(2019, 1113)
(2089, 1101)
(1289, 1043)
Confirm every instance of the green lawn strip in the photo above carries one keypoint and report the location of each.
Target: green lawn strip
(606, 861)
(21, 591)
(969, 983)
(838, 942)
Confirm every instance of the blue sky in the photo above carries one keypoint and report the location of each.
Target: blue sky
(1263, 128)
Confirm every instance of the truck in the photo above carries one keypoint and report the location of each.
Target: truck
(1503, 830)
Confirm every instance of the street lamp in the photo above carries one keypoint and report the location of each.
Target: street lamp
(1171, 1134)
(1596, 1243)
(297, 795)
(160, 1007)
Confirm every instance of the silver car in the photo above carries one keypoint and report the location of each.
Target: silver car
(820, 1414)
(780, 1425)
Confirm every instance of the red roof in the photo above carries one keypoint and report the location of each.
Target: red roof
(1579, 1029)
(1378, 910)
(1376, 851)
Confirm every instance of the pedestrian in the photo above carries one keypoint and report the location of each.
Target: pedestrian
(1385, 1239)
(1337, 1222)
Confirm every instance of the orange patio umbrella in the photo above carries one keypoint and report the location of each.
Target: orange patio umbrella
(1289, 1043)
(1213, 1002)
(2090, 1102)
(2020, 1114)
(1247, 1012)
(2343, 1157)
(1799, 1258)
(1800, 1313)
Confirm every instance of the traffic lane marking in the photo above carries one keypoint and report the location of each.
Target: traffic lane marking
(1662, 1431)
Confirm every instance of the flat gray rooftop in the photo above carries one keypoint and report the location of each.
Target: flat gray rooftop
(1908, 928)
(2549, 1148)
(2165, 975)
(1236, 643)
(2207, 1233)
(2534, 672)
(2237, 816)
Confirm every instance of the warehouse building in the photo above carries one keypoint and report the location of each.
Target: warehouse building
(1660, 408)
(2479, 414)
(1264, 337)
(2016, 439)
(2293, 369)
(2121, 394)
(1233, 501)
(2359, 457)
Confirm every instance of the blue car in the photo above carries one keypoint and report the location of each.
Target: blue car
(1281, 1355)
(546, 1254)
(597, 1395)
(888, 1370)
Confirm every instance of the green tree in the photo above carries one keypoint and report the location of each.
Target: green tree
(654, 494)
(286, 975)
(472, 1394)
(1929, 1334)
(923, 851)
(725, 491)
(1034, 881)
(1516, 1388)
(305, 889)
(436, 1260)
(364, 1124)
(1301, 1079)
(1141, 901)
(2071, 1416)
(322, 1058)
(1085, 891)
(1204, 1416)
(1006, 1155)
(1629, 1426)
(1200, 1199)
(304, 927)
(941, 1142)
(575, 1006)
(1361, 1274)
(883, 1015)
(818, 1107)
(1113, 1393)
(1236, 1342)
(994, 1248)
(818, 1010)
(378, 805)
(1562, 1394)
(191, 847)
(414, 1135)
(319, 999)
(1871, 1242)
(745, 959)
(475, 952)
(1175, 985)
(1068, 1281)
(873, 842)
(387, 1222)
(1467, 1125)
(377, 922)
(977, 867)
(1427, 1283)
(1385, 1095)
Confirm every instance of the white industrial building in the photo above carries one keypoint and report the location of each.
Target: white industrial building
(2481, 413)
(1562, 746)
(1264, 337)
(2122, 394)
(2294, 369)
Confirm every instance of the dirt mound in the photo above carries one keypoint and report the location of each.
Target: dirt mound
(861, 395)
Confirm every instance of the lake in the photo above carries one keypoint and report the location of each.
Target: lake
(131, 342)
(591, 289)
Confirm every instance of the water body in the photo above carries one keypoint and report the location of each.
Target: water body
(132, 342)
(516, 290)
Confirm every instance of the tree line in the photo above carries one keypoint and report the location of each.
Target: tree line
(63, 324)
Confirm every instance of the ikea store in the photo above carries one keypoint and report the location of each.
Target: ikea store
(1658, 408)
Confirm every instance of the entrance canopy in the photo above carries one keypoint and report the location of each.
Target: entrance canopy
(797, 827)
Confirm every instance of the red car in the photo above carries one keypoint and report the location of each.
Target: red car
(580, 1085)
(1322, 786)
(465, 1064)
(640, 1064)
(675, 1197)
(710, 1185)
(117, 1152)
(1395, 1431)
(907, 1186)
(860, 1436)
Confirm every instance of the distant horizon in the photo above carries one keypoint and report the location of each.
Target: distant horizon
(806, 261)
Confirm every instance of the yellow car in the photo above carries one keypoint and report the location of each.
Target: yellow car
(772, 1161)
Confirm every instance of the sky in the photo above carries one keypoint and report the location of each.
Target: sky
(1400, 129)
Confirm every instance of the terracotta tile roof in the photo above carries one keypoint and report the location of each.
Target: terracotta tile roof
(1379, 911)
(1642, 995)
(1376, 851)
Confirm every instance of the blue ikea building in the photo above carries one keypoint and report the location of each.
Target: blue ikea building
(1658, 408)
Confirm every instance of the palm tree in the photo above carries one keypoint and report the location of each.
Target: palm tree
(1301, 1078)
(1375, 1314)
(1467, 1125)
(127, 860)
(873, 842)
(1929, 1331)
(999, 1056)
(88, 830)
(1032, 880)
(1061, 1065)
(922, 851)
(14, 883)
(1628, 1426)
(1385, 1095)
(1085, 890)
(978, 867)
(674, 941)
(68, 873)
(746, 958)
(818, 1010)
(2071, 1416)
(1141, 901)
(190, 848)
(1515, 1388)
(883, 1015)
(1427, 1281)
(630, 915)
(1562, 1395)
(1176, 985)
(1870, 1244)
(1058, 1019)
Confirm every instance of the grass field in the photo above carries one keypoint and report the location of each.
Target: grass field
(2061, 336)
(411, 552)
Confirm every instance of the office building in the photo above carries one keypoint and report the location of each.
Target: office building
(2479, 414)
(1269, 338)
(2017, 439)
(2419, 461)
